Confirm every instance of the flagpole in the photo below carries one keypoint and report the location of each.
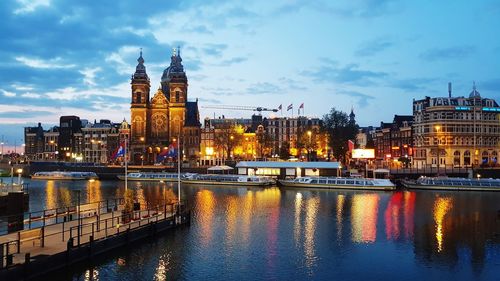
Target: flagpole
(126, 164)
(179, 172)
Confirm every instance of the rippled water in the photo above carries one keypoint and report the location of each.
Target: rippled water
(296, 234)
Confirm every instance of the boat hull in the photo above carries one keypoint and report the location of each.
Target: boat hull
(334, 186)
(61, 178)
(204, 182)
(121, 177)
(453, 188)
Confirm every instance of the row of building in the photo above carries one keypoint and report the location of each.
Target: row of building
(442, 132)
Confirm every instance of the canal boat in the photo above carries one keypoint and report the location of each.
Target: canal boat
(58, 175)
(339, 183)
(446, 183)
(217, 179)
(150, 176)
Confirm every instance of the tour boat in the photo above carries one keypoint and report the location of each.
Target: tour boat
(339, 183)
(445, 183)
(57, 175)
(143, 176)
(216, 179)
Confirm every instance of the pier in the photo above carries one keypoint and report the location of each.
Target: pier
(57, 238)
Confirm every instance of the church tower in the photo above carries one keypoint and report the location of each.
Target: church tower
(139, 107)
(174, 85)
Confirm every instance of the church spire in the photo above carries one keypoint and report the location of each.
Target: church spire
(140, 69)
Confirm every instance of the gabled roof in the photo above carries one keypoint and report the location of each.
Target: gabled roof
(192, 114)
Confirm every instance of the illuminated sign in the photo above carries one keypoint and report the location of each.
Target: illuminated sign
(491, 109)
(462, 108)
(363, 153)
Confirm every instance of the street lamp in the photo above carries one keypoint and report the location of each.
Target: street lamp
(309, 133)
(19, 173)
(143, 150)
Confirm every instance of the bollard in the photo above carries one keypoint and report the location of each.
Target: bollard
(27, 258)
(69, 244)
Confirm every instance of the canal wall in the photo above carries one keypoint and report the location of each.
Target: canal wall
(42, 265)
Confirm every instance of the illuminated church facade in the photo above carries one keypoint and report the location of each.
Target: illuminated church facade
(161, 120)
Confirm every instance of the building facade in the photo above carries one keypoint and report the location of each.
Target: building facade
(393, 142)
(168, 115)
(456, 131)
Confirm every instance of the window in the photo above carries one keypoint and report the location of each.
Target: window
(177, 96)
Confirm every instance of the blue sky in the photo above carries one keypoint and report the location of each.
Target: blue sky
(76, 57)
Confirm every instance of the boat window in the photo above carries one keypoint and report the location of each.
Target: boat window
(314, 181)
(322, 181)
(358, 182)
(340, 181)
(484, 184)
(456, 183)
(369, 183)
(349, 182)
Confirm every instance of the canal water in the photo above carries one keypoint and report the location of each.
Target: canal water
(240, 233)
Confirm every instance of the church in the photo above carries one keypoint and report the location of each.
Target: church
(165, 118)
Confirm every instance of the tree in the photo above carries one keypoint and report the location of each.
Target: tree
(285, 150)
(340, 130)
(308, 140)
(264, 142)
(227, 136)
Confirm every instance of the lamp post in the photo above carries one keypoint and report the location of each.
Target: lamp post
(78, 213)
(143, 150)
(19, 173)
(309, 133)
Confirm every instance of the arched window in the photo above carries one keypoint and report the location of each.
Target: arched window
(456, 158)
(494, 158)
(467, 158)
(484, 157)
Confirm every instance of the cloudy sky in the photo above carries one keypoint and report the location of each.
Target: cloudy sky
(76, 57)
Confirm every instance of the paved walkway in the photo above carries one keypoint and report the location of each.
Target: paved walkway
(57, 235)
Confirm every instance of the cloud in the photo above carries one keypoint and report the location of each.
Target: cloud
(232, 61)
(264, 88)
(201, 29)
(23, 114)
(31, 95)
(214, 49)
(207, 100)
(7, 93)
(331, 72)
(89, 75)
(28, 6)
(373, 47)
(39, 63)
(413, 85)
(363, 100)
(456, 52)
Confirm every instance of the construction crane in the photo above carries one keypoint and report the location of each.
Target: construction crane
(241, 107)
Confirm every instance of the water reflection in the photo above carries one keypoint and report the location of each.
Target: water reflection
(300, 233)
(364, 213)
(441, 207)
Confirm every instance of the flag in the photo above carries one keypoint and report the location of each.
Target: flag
(350, 145)
(162, 155)
(301, 106)
(172, 150)
(279, 107)
(289, 107)
(119, 152)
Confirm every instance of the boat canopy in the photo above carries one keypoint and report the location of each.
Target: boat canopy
(220, 168)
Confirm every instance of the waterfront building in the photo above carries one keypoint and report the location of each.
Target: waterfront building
(289, 130)
(456, 131)
(67, 143)
(34, 140)
(51, 140)
(168, 115)
(393, 141)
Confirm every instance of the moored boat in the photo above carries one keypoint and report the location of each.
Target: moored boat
(445, 183)
(149, 176)
(339, 183)
(58, 175)
(215, 179)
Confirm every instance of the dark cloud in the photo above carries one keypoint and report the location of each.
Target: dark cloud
(363, 100)
(456, 52)
(373, 47)
(232, 61)
(330, 72)
(23, 114)
(413, 85)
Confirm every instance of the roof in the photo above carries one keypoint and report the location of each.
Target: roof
(276, 164)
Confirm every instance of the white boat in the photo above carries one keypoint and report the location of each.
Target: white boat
(339, 183)
(215, 179)
(149, 176)
(57, 175)
(445, 183)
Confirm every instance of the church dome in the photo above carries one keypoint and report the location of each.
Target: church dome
(474, 93)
